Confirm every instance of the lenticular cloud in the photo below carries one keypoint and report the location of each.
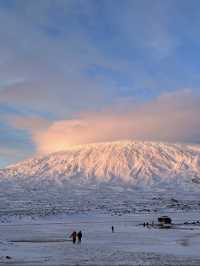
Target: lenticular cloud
(171, 117)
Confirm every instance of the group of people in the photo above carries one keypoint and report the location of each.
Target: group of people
(148, 224)
(76, 237)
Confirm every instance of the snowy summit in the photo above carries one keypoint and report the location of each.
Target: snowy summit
(133, 163)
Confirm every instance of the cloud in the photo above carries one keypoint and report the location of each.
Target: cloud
(48, 48)
(45, 71)
(170, 117)
(31, 124)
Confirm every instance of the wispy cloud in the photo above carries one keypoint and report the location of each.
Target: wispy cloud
(51, 45)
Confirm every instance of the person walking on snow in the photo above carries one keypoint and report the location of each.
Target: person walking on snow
(73, 236)
(79, 236)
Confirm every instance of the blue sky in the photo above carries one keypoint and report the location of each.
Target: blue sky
(76, 59)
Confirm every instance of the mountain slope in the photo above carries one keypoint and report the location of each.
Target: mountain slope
(134, 163)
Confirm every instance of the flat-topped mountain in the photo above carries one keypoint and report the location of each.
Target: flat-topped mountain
(135, 163)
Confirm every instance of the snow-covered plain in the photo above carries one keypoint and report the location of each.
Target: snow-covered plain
(90, 188)
(46, 242)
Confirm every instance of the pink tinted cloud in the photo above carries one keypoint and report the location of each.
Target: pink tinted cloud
(31, 124)
(171, 117)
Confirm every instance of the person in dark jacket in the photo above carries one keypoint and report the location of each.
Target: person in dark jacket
(113, 229)
(79, 236)
(73, 236)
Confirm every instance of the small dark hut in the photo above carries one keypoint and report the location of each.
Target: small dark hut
(164, 220)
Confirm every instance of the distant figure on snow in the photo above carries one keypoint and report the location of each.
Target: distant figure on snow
(79, 236)
(73, 236)
(113, 229)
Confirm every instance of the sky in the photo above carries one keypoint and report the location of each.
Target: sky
(81, 71)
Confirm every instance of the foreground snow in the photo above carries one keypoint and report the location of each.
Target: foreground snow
(45, 242)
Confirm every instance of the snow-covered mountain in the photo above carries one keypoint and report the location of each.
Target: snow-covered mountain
(132, 163)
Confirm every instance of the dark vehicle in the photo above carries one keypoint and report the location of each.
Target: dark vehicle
(165, 221)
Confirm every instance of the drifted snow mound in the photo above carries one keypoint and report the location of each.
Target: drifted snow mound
(132, 163)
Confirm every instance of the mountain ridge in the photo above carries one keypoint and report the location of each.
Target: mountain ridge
(135, 163)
